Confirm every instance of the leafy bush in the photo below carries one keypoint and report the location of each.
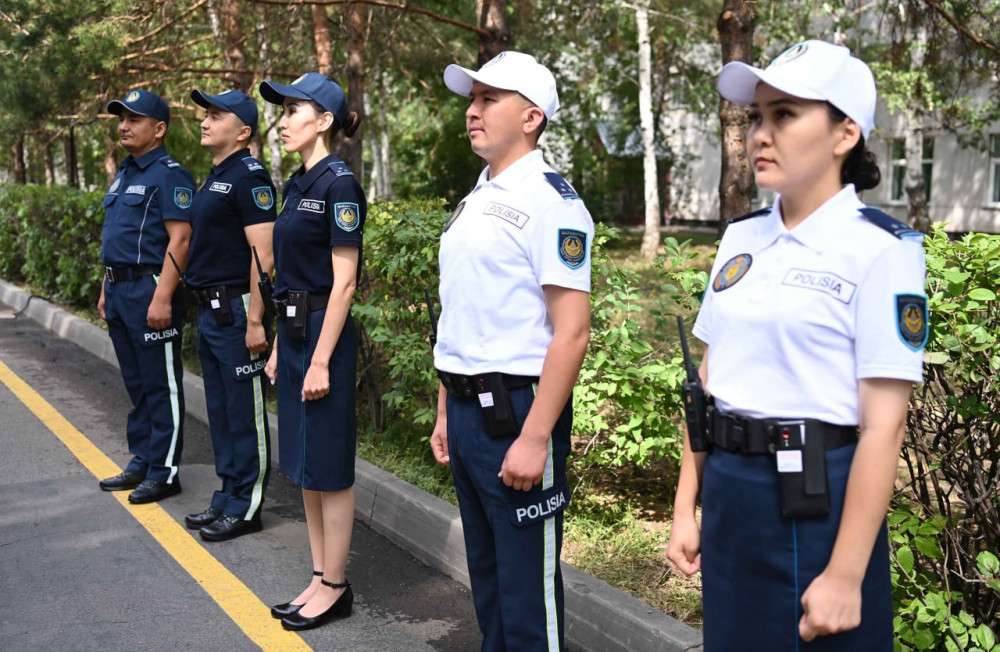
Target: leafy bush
(946, 519)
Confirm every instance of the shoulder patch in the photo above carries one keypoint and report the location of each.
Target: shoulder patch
(454, 215)
(346, 214)
(252, 163)
(340, 168)
(263, 197)
(169, 162)
(572, 247)
(182, 197)
(888, 223)
(911, 320)
(759, 213)
(561, 185)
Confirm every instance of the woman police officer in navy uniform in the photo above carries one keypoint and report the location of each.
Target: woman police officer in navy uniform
(815, 322)
(317, 255)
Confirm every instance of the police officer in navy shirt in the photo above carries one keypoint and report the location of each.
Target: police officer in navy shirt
(147, 215)
(233, 211)
(317, 252)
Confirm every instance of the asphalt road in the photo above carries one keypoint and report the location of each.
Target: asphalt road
(80, 571)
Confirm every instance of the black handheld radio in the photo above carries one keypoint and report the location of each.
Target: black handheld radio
(696, 402)
(264, 283)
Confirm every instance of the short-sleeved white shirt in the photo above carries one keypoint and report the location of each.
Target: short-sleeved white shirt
(509, 237)
(793, 319)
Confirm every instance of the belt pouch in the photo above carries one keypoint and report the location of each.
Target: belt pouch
(494, 400)
(297, 315)
(801, 460)
(218, 301)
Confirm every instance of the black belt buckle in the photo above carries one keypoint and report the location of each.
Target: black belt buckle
(109, 273)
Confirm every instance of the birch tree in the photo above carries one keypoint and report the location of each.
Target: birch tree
(651, 234)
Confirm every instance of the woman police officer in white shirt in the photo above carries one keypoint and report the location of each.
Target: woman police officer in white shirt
(815, 322)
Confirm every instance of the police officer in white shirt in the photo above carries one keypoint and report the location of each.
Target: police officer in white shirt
(515, 322)
(815, 323)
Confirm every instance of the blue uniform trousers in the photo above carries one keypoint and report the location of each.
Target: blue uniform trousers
(512, 538)
(237, 416)
(756, 564)
(150, 362)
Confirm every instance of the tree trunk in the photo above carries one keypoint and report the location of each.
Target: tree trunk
(270, 113)
(111, 158)
(351, 149)
(50, 161)
(321, 35)
(69, 151)
(917, 213)
(232, 46)
(491, 15)
(651, 236)
(17, 154)
(736, 26)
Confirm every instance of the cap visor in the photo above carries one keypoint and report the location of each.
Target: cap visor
(458, 79)
(276, 93)
(738, 82)
(201, 99)
(115, 107)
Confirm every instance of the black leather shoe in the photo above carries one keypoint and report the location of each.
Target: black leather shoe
(339, 609)
(150, 491)
(279, 611)
(198, 521)
(122, 481)
(227, 527)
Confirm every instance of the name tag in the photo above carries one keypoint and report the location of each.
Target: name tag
(312, 205)
(825, 282)
(507, 214)
(135, 190)
(221, 187)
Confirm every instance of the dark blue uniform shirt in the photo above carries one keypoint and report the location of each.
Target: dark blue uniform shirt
(146, 192)
(238, 193)
(322, 208)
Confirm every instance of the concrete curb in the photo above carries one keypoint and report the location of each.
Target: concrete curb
(599, 617)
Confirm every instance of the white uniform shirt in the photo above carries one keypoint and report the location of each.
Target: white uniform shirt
(509, 237)
(793, 319)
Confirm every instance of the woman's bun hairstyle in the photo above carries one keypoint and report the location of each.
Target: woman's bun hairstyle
(352, 124)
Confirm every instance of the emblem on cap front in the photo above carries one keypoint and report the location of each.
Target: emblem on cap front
(572, 247)
(790, 54)
(132, 97)
(263, 197)
(495, 59)
(182, 197)
(731, 273)
(911, 320)
(347, 215)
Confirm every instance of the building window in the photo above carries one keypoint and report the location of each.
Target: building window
(897, 161)
(995, 169)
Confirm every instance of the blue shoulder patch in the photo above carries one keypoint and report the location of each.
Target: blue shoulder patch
(561, 185)
(340, 168)
(888, 223)
(252, 163)
(911, 320)
(758, 213)
(169, 162)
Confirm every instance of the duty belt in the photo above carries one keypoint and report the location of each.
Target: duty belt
(203, 297)
(314, 301)
(468, 386)
(757, 436)
(116, 274)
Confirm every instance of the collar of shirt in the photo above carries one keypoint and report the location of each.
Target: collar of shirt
(148, 158)
(819, 229)
(229, 161)
(515, 172)
(304, 179)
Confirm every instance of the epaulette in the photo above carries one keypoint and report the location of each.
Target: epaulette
(757, 213)
(169, 162)
(888, 223)
(340, 168)
(252, 164)
(561, 185)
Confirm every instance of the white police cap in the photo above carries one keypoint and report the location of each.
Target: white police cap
(509, 71)
(811, 70)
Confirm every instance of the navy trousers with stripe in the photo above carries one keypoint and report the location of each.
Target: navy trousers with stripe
(514, 568)
(150, 362)
(237, 417)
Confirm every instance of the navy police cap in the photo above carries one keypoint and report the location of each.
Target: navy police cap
(142, 103)
(311, 86)
(233, 101)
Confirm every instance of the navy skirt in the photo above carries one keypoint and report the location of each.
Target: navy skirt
(756, 564)
(317, 439)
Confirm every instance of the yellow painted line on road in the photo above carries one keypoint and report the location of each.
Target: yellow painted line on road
(238, 601)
